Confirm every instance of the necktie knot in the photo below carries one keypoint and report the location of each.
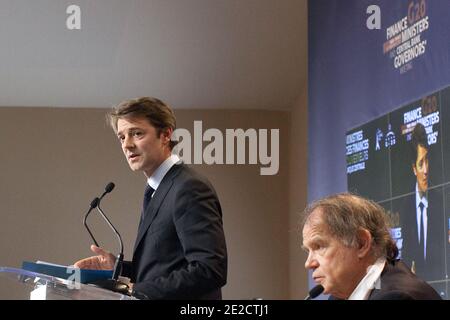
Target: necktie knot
(147, 197)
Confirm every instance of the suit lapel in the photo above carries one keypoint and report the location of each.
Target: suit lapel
(388, 266)
(373, 293)
(155, 204)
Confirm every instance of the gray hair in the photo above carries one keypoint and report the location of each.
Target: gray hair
(345, 214)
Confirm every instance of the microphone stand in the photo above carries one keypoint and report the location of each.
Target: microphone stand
(119, 259)
(94, 204)
(113, 284)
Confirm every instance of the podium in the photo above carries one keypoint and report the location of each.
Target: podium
(19, 284)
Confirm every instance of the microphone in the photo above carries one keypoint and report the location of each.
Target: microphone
(314, 292)
(110, 284)
(109, 187)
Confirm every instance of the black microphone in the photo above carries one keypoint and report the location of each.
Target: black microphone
(314, 292)
(109, 187)
(110, 284)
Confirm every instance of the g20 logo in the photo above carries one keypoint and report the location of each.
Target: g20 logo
(417, 10)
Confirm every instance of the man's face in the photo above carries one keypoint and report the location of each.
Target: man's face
(335, 266)
(420, 169)
(142, 147)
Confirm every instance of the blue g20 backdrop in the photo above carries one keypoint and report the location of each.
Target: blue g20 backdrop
(353, 80)
(368, 59)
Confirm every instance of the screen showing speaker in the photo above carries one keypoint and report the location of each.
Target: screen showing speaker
(401, 160)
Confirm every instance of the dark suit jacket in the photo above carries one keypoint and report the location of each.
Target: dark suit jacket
(399, 283)
(433, 268)
(180, 250)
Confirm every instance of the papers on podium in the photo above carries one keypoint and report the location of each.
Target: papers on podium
(67, 272)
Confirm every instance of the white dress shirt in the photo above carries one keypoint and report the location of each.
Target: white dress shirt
(370, 281)
(155, 180)
(424, 220)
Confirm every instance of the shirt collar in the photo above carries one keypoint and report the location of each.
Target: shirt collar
(424, 200)
(155, 180)
(370, 281)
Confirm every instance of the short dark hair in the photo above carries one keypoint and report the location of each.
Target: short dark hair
(345, 214)
(158, 114)
(418, 138)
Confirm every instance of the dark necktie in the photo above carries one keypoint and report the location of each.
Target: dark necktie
(422, 233)
(147, 197)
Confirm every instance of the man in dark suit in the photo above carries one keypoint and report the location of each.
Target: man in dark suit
(180, 250)
(352, 254)
(422, 216)
(399, 283)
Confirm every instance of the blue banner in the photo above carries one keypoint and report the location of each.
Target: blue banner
(367, 58)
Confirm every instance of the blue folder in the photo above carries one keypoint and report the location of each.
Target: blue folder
(86, 275)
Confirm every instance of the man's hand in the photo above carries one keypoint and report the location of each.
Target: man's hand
(104, 260)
